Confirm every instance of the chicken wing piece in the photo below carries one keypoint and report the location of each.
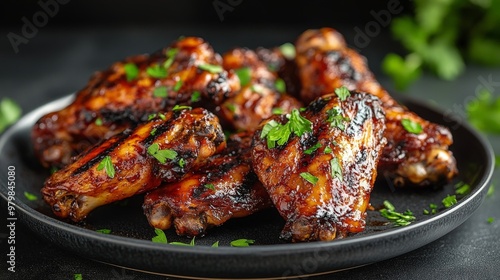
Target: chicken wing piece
(187, 72)
(260, 95)
(420, 157)
(163, 149)
(319, 167)
(225, 187)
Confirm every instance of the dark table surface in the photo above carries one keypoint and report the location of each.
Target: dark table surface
(59, 61)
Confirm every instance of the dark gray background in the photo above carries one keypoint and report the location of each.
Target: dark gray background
(84, 37)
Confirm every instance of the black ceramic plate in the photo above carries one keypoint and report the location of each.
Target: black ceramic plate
(129, 244)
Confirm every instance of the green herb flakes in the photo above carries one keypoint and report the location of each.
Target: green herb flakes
(411, 126)
(107, 165)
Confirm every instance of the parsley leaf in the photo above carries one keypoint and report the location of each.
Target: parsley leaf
(98, 122)
(30, 196)
(183, 244)
(398, 219)
(462, 188)
(242, 242)
(342, 93)
(403, 71)
(449, 201)
(160, 91)
(336, 119)
(161, 155)
(491, 191)
(245, 75)
(433, 209)
(277, 111)
(181, 107)
(196, 96)
(216, 244)
(131, 71)
(107, 165)
(178, 85)
(336, 168)
(312, 149)
(210, 187)
(231, 107)
(181, 162)
(298, 124)
(277, 133)
(490, 220)
(288, 51)
(160, 236)
(280, 85)
(9, 113)
(171, 53)
(214, 69)
(156, 71)
(309, 177)
(78, 276)
(328, 150)
(411, 126)
(484, 112)
(104, 231)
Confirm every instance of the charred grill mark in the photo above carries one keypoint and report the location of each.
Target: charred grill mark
(160, 129)
(118, 140)
(317, 105)
(363, 113)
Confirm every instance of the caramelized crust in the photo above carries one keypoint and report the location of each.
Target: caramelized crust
(326, 63)
(335, 205)
(225, 187)
(195, 135)
(112, 102)
(257, 99)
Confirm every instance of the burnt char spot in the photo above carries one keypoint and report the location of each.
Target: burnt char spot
(338, 60)
(159, 131)
(317, 105)
(120, 138)
(362, 114)
(218, 88)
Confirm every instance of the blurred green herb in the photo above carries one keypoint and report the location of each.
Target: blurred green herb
(449, 201)
(29, 196)
(9, 113)
(483, 112)
(441, 35)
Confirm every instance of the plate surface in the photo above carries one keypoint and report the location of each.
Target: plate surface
(129, 243)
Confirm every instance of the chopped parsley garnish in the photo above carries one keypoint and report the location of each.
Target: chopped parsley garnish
(104, 230)
(178, 85)
(153, 131)
(160, 91)
(411, 126)
(245, 75)
(196, 96)
(210, 187)
(328, 150)
(214, 69)
(279, 133)
(497, 161)
(131, 71)
(309, 177)
(9, 113)
(29, 196)
(78, 276)
(183, 244)
(288, 50)
(336, 168)
(491, 190)
(490, 220)
(433, 209)
(312, 149)
(449, 201)
(216, 244)
(242, 242)
(277, 111)
(181, 107)
(342, 93)
(257, 89)
(182, 162)
(231, 107)
(280, 85)
(483, 112)
(98, 122)
(462, 188)
(160, 236)
(171, 53)
(156, 71)
(398, 219)
(336, 119)
(107, 165)
(161, 155)
(159, 115)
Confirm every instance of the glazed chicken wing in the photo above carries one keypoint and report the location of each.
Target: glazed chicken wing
(225, 187)
(417, 158)
(163, 149)
(259, 96)
(319, 167)
(187, 72)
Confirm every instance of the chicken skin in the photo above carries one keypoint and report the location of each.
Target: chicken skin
(185, 73)
(225, 187)
(135, 161)
(411, 157)
(260, 95)
(319, 166)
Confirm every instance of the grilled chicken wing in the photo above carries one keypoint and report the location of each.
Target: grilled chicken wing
(135, 161)
(321, 181)
(128, 92)
(326, 63)
(258, 96)
(225, 187)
